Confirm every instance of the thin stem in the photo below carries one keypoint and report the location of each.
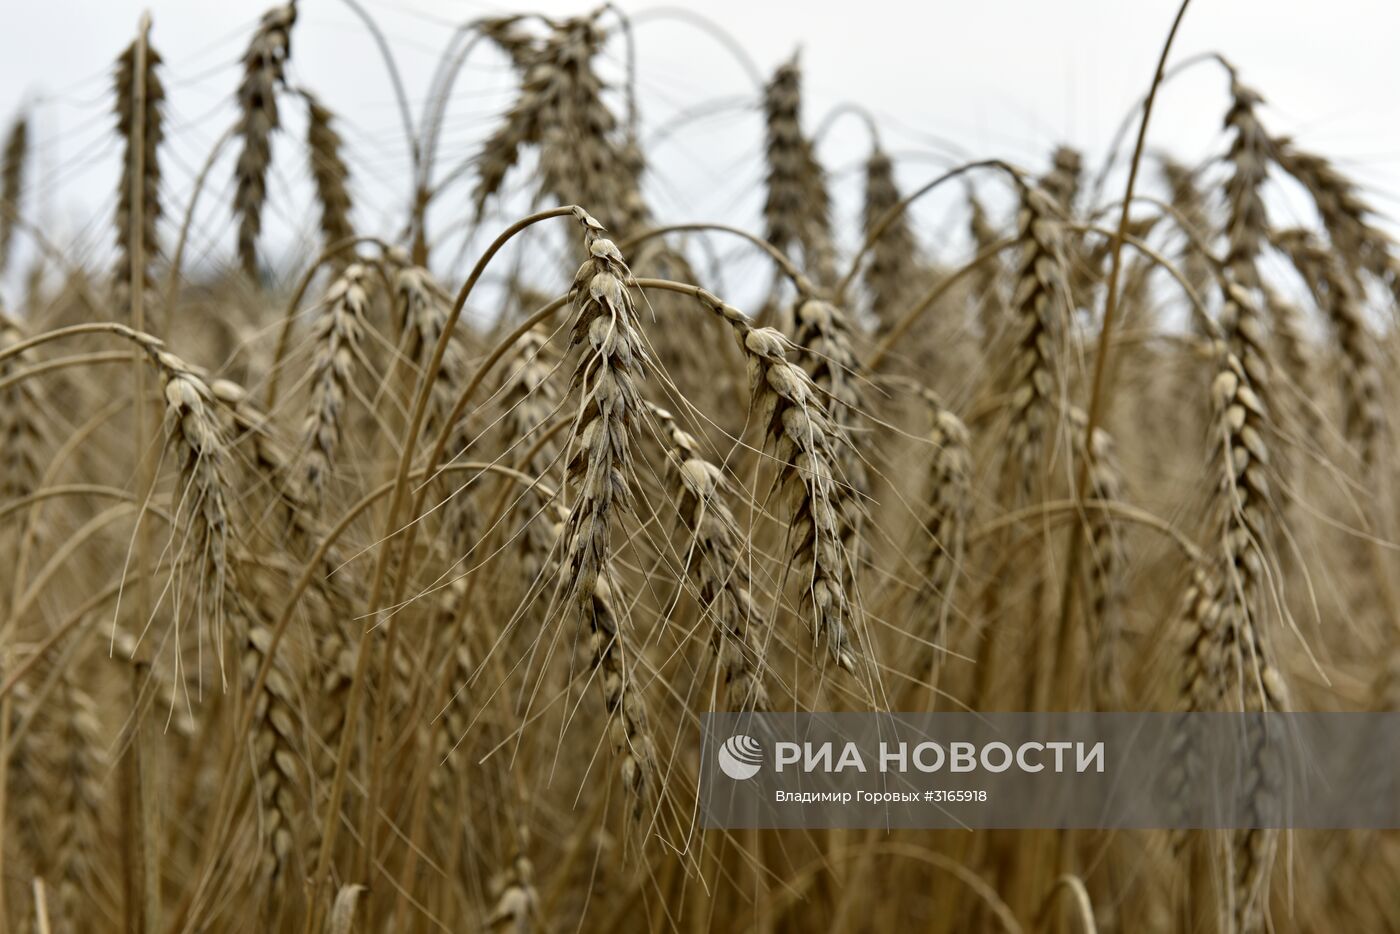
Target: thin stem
(1110, 315)
(395, 79)
(172, 279)
(711, 29)
(788, 267)
(400, 485)
(895, 210)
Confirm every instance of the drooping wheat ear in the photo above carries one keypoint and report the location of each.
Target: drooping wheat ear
(893, 257)
(505, 33)
(1191, 207)
(797, 209)
(613, 662)
(276, 746)
(716, 566)
(12, 166)
(521, 127)
(78, 817)
(1345, 214)
(337, 339)
(1249, 154)
(582, 158)
(803, 439)
(517, 907)
(612, 359)
(145, 130)
(23, 431)
(1040, 318)
(1107, 561)
(829, 358)
(195, 434)
(1063, 180)
(264, 67)
(1336, 295)
(561, 109)
(328, 171)
(423, 308)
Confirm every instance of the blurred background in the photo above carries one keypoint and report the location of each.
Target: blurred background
(943, 82)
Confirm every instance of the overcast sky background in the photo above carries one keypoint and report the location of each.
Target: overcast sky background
(1009, 78)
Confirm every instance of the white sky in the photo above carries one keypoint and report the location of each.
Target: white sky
(1009, 78)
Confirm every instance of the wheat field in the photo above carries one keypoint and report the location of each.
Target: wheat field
(378, 582)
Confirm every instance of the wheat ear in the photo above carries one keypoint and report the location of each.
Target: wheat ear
(264, 71)
(1039, 313)
(716, 566)
(612, 359)
(151, 123)
(329, 173)
(337, 338)
(12, 169)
